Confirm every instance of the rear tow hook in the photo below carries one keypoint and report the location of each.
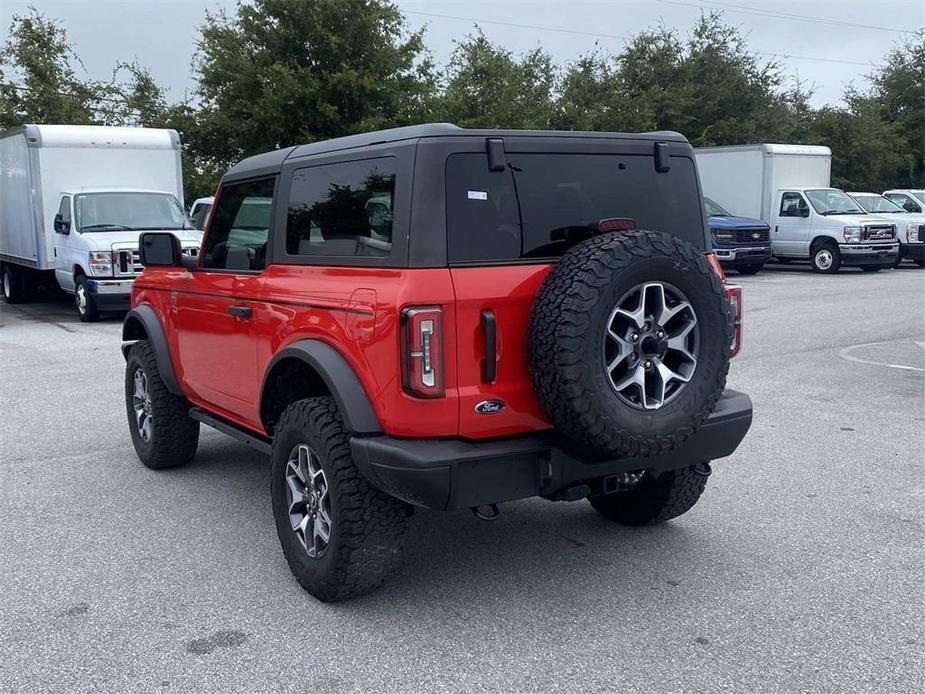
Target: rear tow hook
(487, 512)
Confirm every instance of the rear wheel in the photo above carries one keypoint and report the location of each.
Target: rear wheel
(652, 499)
(750, 269)
(826, 258)
(340, 535)
(85, 301)
(11, 280)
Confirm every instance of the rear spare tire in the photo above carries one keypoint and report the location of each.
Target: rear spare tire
(629, 343)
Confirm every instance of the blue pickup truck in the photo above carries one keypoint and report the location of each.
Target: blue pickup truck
(739, 242)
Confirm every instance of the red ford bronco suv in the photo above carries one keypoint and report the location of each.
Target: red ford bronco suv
(447, 318)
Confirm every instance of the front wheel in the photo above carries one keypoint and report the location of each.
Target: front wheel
(163, 433)
(750, 269)
(340, 535)
(826, 258)
(85, 301)
(652, 499)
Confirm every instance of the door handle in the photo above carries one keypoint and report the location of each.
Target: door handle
(240, 311)
(489, 330)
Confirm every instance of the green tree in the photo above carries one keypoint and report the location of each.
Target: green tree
(39, 82)
(282, 72)
(899, 90)
(486, 86)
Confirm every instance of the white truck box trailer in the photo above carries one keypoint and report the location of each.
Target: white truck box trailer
(70, 194)
(788, 186)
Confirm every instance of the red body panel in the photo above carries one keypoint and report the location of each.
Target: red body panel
(220, 359)
(508, 291)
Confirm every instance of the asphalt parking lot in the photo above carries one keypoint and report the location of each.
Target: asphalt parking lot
(800, 569)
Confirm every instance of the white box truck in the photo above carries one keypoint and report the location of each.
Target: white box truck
(788, 186)
(73, 200)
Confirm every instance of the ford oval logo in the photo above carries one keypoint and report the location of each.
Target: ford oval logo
(756, 236)
(489, 406)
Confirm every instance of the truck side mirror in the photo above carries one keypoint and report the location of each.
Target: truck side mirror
(61, 227)
(910, 206)
(159, 249)
(803, 211)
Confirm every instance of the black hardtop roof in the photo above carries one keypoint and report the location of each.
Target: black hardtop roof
(261, 163)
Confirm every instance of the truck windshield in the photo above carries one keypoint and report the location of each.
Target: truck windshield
(714, 210)
(877, 203)
(832, 201)
(128, 211)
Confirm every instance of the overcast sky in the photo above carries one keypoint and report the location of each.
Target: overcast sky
(848, 41)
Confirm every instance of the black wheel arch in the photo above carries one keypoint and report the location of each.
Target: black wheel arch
(309, 368)
(142, 323)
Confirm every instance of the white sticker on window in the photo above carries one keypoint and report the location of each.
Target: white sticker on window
(478, 195)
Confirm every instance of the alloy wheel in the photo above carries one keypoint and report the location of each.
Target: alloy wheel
(651, 344)
(141, 404)
(308, 499)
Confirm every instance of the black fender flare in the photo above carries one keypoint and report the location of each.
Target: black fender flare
(154, 333)
(354, 405)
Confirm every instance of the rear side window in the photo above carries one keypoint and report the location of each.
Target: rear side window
(237, 238)
(342, 209)
(546, 203)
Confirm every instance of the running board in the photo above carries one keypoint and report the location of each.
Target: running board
(252, 440)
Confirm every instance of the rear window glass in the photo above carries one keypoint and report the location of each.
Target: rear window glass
(543, 204)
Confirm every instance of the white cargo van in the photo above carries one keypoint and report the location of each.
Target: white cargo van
(788, 187)
(73, 200)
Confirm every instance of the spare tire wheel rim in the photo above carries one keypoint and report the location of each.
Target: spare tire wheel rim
(651, 345)
(309, 501)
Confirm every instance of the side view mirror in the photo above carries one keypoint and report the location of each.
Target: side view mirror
(910, 206)
(159, 249)
(61, 227)
(803, 211)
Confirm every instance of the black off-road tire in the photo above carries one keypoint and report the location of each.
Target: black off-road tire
(750, 269)
(367, 525)
(815, 258)
(655, 499)
(174, 434)
(566, 337)
(88, 311)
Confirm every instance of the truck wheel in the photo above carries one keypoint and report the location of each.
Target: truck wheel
(871, 268)
(750, 269)
(12, 283)
(163, 433)
(826, 258)
(655, 499)
(629, 342)
(340, 535)
(85, 301)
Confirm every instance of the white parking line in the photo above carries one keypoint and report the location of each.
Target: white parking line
(845, 353)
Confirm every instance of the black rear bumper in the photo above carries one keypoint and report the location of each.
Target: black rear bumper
(453, 473)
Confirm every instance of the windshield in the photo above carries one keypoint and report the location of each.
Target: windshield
(714, 210)
(877, 203)
(128, 211)
(832, 201)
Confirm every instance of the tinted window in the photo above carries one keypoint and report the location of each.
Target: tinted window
(237, 238)
(561, 198)
(342, 209)
(481, 210)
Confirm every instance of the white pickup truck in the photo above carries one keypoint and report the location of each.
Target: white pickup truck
(910, 226)
(73, 200)
(787, 186)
